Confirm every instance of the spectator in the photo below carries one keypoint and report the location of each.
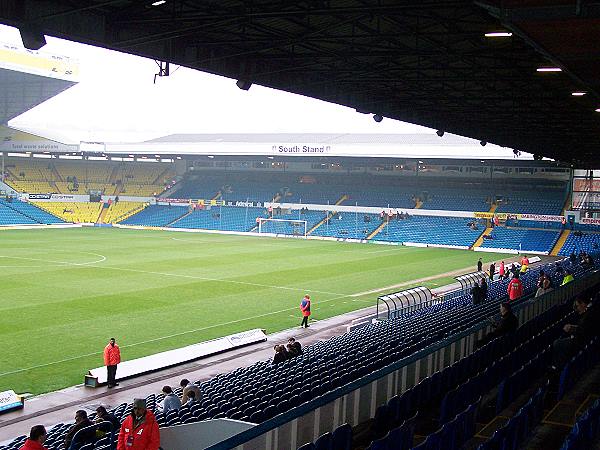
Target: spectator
(484, 288)
(501, 270)
(578, 335)
(540, 280)
(479, 265)
(492, 271)
(191, 398)
(187, 388)
(544, 288)
(139, 430)
(112, 357)
(36, 439)
(477, 294)
(573, 257)
(280, 354)
(171, 402)
(102, 415)
(507, 324)
(305, 308)
(293, 347)
(515, 288)
(81, 421)
(568, 278)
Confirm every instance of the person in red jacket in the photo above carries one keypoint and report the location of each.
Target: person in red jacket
(37, 436)
(515, 288)
(112, 357)
(305, 308)
(140, 429)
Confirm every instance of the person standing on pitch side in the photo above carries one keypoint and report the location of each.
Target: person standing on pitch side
(305, 308)
(112, 357)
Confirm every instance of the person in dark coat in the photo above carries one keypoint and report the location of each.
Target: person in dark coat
(484, 288)
(477, 294)
(81, 421)
(508, 323)
(280, 354)
(479, 265)
(102, 415)
(578, 335)
(492, 271)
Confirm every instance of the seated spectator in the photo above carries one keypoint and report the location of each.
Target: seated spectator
(577, 334)
(37, 437)
(540, 280)
(568, 278)
(102, 415)
(293, 347)
(81, 421)
(171, 402)
(280, 354)
(515, 288)
(477, 294)
(545, 288)
(191, 398)
(187, 388)
(507, 324)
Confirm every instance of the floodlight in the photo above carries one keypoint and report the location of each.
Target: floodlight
(483, 143)
(440, 133)
(377, 118)
(244, 85)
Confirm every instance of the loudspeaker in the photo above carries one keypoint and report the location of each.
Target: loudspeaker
(33, 40)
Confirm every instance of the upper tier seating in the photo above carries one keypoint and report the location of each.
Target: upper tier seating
(73, 211)
(259, 392)
(29, 211)
(457, 200)
(62, 176)
(519, 239)
(431, 230)
(156, 216)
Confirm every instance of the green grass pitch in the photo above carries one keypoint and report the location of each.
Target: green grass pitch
(64, 292)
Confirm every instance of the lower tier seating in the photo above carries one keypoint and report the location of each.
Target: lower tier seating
(18, 212)
(73, 211)
(519, 239)
(580, 243)
(156, 216)
(259, 392)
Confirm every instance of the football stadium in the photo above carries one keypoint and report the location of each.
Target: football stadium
(226, 288)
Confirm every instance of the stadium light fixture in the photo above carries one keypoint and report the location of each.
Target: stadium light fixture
(440, 133)
(548, 69)
(597, 109)
(210, 156)
(243, 84)
(578, 93)
(483, 143)
(377, 118)
(495, 34)
(159, 2)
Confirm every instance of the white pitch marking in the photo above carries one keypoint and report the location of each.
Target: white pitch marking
(67, 263)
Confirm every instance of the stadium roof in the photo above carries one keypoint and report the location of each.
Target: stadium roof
(317, 144)
(426, 62)
(28, 78)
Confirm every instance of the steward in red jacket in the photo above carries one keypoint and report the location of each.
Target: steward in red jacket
(112, 357)
(140, 429)
(37, 436)
(515, 288)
